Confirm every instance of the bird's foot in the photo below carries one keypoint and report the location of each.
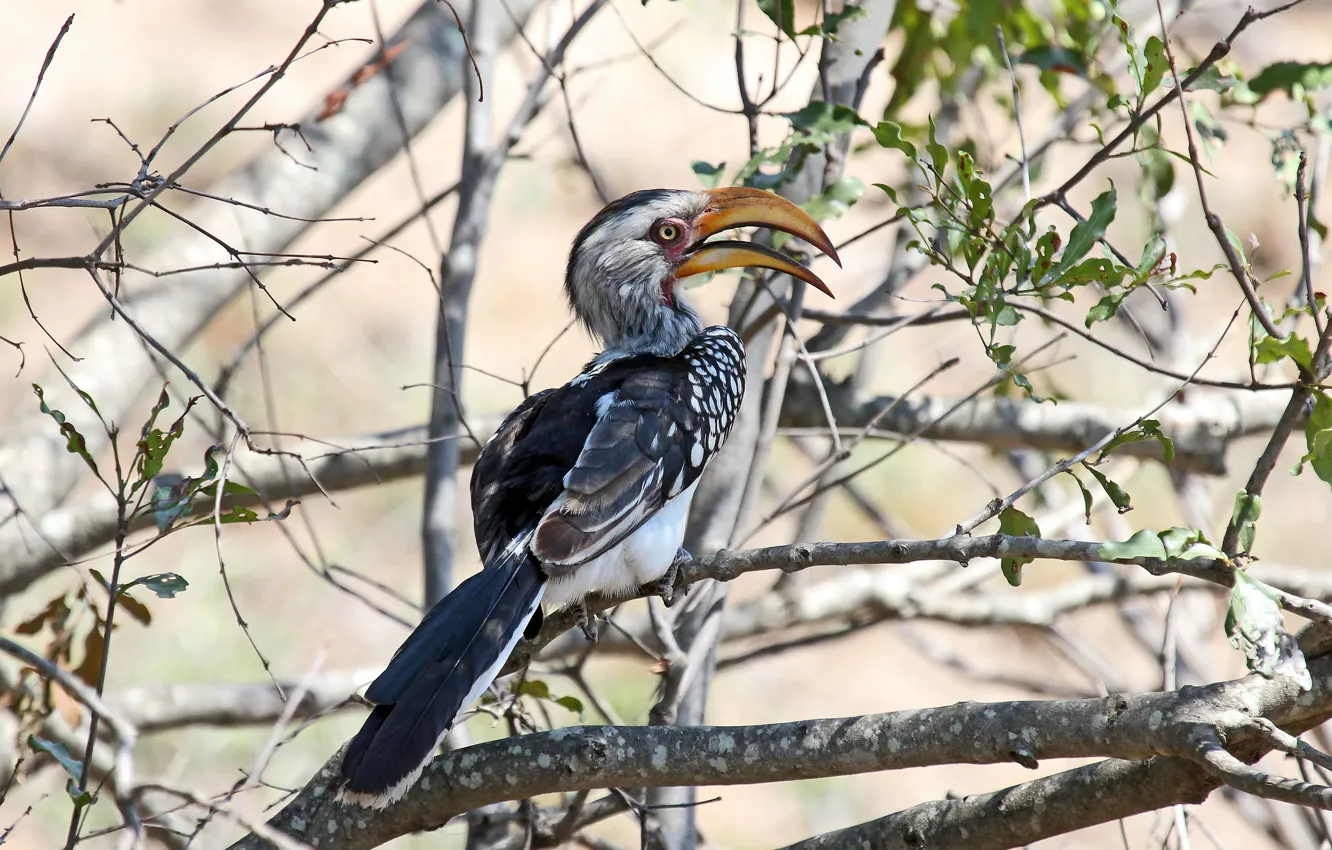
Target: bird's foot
(588, 623)
(666, 584)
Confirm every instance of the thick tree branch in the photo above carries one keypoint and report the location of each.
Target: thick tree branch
(1015, 816)
(1118, 726)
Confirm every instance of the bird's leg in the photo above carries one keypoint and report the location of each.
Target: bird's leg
(587, 622)
(666, 584)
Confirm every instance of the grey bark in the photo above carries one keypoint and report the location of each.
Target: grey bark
(1138, 727)
(457, 273)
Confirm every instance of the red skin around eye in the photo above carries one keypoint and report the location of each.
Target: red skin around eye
(675, 251)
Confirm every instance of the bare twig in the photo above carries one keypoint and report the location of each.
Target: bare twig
(41, 74)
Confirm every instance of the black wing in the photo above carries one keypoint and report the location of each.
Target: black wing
(590, 462)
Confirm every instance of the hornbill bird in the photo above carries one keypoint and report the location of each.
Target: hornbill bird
(585, 489)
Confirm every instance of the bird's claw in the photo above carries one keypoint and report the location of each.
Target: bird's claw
(666, 584)
(588, 623)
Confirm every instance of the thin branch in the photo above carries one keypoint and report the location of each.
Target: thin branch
(1304, 209)
(123, 729)
(1220, 763)
(41, 74)
(1201, 434)
(1294, 412)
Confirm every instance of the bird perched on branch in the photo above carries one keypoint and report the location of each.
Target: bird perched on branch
(585, 489)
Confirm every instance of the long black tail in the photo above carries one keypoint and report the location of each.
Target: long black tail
(445, 664)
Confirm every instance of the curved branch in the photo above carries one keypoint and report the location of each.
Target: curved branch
(581, 758)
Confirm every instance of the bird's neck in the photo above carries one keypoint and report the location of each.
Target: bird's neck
(648, 328)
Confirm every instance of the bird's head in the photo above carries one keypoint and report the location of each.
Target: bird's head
(627, 261)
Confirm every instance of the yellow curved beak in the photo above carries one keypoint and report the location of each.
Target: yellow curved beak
(743, 207)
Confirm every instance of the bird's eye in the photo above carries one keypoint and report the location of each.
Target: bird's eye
(668, 232)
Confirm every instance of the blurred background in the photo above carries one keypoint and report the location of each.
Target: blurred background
(356, 357)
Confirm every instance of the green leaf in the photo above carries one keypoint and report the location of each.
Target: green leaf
(1254, 626)
(534, 688)
(229, 488)
(1143, 544)
(242, 514)
(1105, 309)
(938, 153)
(1293, 78)
(169, 502)
(781, 13)
(1200, 274)
(165, 585)
(1248, 508)
(1147, 429)
(1086, 495)
(1157, 65)
(1318, 438)
(154, 445)
(1153, 253)
(211, 466)
(1046, 248)
(75, 444)
(709, 175)
(820, 122)
(540, 690)
(979, 192)
(163, 402)
(889, 135)
(1152, 428)
(1095, 270)
(1052, 57)
(1270, 350)
(1185, 544)
(1015, 523)
(57, 751)
(828, 28)
(1085, 234)
(1117, 494)
(1212, 79)
(888, 190)
(80, 798)
(834, 201)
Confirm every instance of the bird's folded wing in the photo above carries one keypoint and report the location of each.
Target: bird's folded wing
(635, 459)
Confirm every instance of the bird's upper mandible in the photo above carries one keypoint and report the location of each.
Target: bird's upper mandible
(626, 262)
